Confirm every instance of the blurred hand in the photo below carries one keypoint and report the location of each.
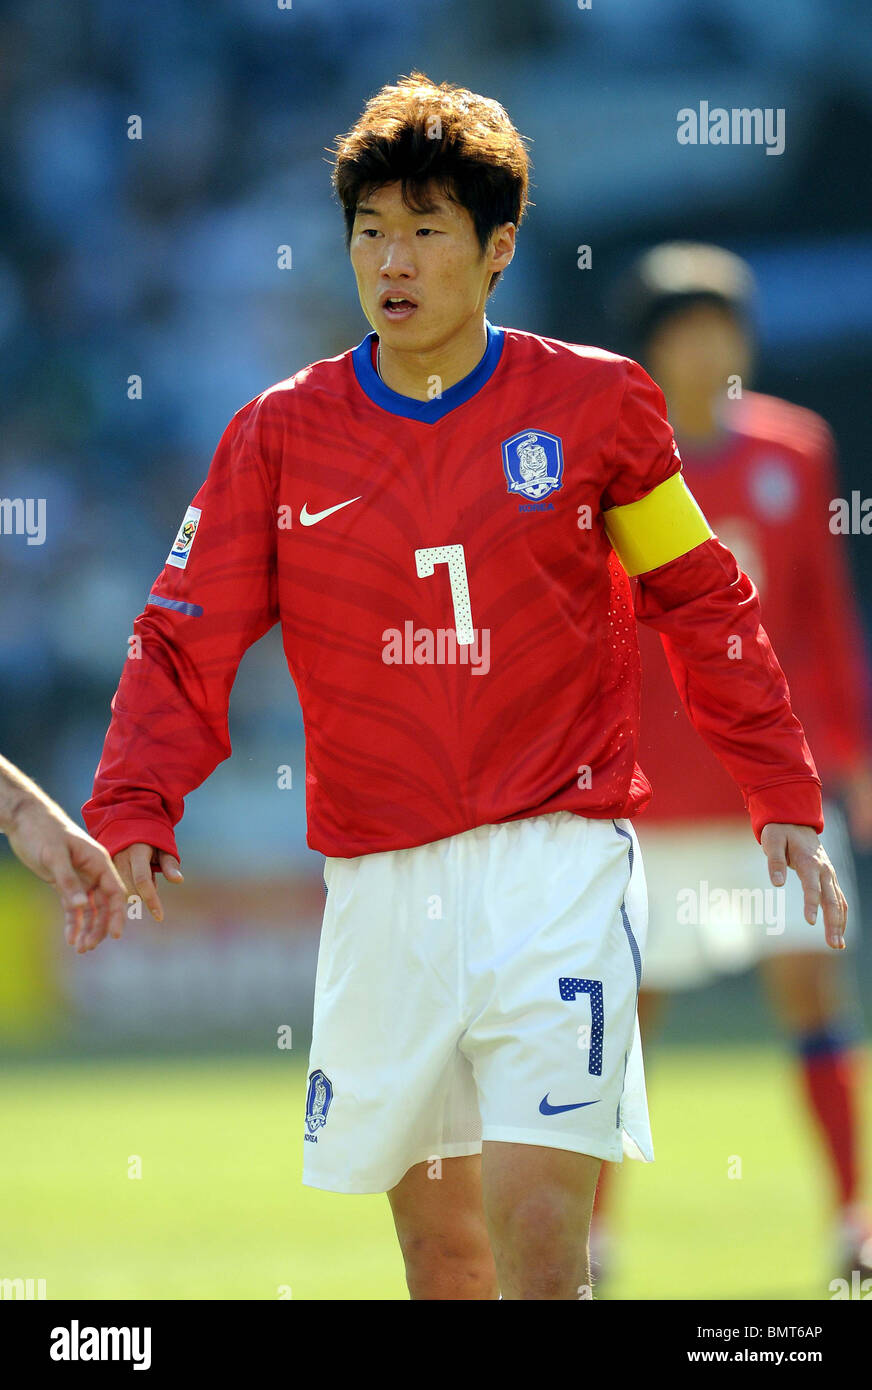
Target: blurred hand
(58, 851)
(857, 793)
(798, 847)
(134, 864)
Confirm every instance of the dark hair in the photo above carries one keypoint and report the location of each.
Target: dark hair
(674, 277)
(418, 131)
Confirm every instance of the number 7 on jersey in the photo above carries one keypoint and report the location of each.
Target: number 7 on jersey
(426, 561)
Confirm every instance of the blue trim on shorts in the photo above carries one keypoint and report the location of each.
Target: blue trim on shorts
(623, 1084)
(634, 945)
(628, 837)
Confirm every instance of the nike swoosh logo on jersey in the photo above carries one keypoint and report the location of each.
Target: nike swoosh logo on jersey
(308, 518)
(546, 1109)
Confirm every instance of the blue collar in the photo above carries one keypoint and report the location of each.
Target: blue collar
(427, 411)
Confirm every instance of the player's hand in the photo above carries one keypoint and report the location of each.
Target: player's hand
(60, 852)
(857, 793)
(798, 847)
(134, 864)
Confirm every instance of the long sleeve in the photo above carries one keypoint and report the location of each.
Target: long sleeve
(214, 598)
(708, 615)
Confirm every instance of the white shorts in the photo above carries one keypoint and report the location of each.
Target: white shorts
(480, 987)
(712, 908)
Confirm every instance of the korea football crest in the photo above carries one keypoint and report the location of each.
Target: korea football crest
(533, 463)
(318, 1098)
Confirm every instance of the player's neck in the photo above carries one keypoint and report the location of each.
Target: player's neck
(423, 375)
(696, 421)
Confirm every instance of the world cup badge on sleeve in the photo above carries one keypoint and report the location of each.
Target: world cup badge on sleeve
(181, 549)
(533, 463)
(318, 1098)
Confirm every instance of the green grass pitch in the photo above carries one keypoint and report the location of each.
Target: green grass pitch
(220, 1213)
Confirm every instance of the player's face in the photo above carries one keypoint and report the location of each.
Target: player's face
(430, 262)
(695, 352)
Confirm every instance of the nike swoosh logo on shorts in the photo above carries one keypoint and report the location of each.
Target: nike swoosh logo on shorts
(546, 1109)
(308, 518)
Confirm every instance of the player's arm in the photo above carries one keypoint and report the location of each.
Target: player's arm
(214, 598)
(57, 850)
(708, 615)
(707, 612)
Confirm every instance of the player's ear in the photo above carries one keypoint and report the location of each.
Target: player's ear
(503, 246)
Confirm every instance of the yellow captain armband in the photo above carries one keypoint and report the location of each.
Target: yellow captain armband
(658, 528)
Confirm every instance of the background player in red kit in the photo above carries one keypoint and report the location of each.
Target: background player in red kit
(763, 472)
(435, 518)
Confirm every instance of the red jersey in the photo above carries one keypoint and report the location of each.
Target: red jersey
(459, 631)
(765, 490)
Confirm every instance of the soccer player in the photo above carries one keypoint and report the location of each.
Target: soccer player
(431, 517)
(57, 850)
(763, 472)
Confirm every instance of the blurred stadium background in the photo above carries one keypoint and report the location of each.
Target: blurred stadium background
(158, 258)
